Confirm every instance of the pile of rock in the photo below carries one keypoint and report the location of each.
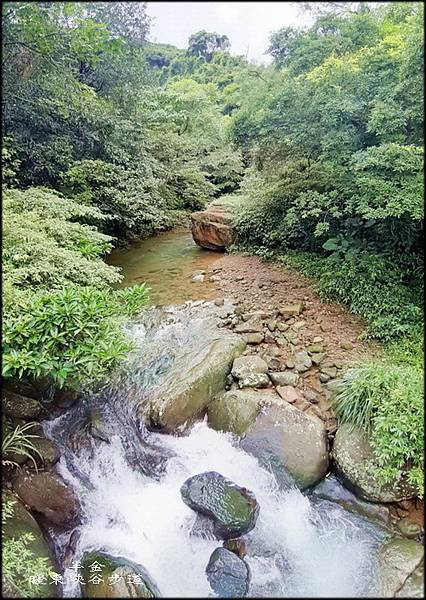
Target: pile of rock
(232, 511)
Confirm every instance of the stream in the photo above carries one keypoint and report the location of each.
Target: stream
(128, 479)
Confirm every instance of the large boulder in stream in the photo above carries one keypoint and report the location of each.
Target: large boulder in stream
(212, 228)
(228, 575)
(46, 493)
(355, 464)
(285, 439)
(232, 508)
(234, 411)
(183, 397)
(401, 565)
(107, 576)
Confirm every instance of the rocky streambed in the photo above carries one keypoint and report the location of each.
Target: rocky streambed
(211, 464)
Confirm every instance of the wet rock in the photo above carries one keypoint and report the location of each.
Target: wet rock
(289, 393)
(23, 523)
(254, 338)
(46, 493)
(283, 435)
(49, 453)
(233, 509)
(330, 488)
(354, 464)
(180, 400)
(197, 278)
(409, 528)
(398, 561)
(116, 578)
(284, 378)
(212, 228)
(237, 546)
(21, 407)
(228, 575)
(302, 361)
(252, 326)
(291, 310)
(233, 411)
(96, 426)
(414, 584)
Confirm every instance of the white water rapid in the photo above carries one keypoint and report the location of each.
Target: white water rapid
(300, 547)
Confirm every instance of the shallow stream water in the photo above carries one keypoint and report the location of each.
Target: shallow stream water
(166, 262)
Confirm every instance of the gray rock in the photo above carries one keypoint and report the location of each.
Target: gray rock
(302, 361)
(182, 398)
(331, 372)
(317, 358)
(228, 575)
(398, 561)
(252, 326)
(354, 463)
(324, 378)
(414, 584)
(46, 493)
(233, 509)
(234, 411)
(330, 488)
(124, 572)
(256, 380)
(284, 378)
(21, 407)
(409, 528)
(244, 366)
(197, 278)
(254, 338)
(284, 436)
(272, 324)
(289, 393)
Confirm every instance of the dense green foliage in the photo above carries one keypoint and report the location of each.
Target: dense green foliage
(336, 139)
(386, 400)
(19, 563)
(110, 138)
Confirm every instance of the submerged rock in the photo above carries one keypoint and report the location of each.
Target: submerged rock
(107, 576)
(400, 561)
(228, 575)
(46, 493)
(330, 488)
(284, 436)
(234, 411)
(354, 464)
(234, 509)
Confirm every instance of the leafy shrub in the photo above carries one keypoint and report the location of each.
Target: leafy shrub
(43, 246)
(387, 402)
(19, 562)
(19, 441)
(70, 335)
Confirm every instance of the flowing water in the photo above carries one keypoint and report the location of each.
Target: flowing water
(129, 487)
(166, 263)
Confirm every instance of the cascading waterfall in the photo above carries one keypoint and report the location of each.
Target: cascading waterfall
(129, 488)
